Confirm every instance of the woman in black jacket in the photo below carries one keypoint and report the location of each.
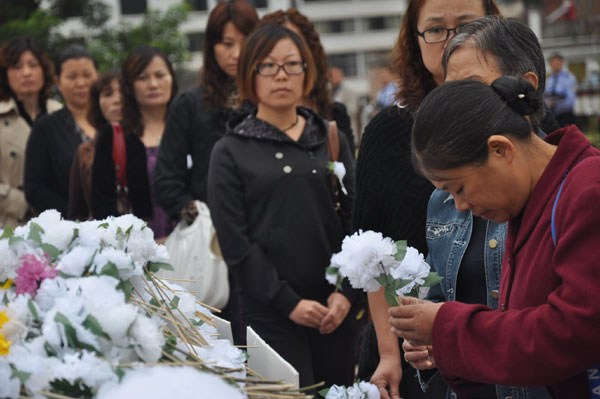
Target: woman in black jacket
(148, 86)
(272, 202)
(55, 137)
(198, 116)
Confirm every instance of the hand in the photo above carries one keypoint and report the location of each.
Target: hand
(420, 357)
(414, 320)
(387, 377)
(308, 313)
(339, 306)
(189, 212)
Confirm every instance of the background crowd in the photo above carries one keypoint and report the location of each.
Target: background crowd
(253, 140)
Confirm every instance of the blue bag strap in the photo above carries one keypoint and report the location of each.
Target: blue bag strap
(593, 373)
(552, 224)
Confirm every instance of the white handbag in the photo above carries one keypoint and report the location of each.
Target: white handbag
(192, 258)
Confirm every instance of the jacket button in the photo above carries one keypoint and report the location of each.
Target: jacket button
(314, 171)
(493, 243)
(503, 307)
(279, 155)
(495, 294)
(287, 169)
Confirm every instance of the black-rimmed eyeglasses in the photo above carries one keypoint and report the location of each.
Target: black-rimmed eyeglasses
(272, 69)
(439, 34)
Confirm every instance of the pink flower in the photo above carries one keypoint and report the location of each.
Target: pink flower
(32, 272)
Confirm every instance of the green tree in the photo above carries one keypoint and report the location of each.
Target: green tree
(160, 29)
(108, 43)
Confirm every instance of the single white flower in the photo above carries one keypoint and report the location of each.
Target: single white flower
(339, 170)
(9, 387)
(336, 392)
(413, 268)
(371, 391)
(364, 257)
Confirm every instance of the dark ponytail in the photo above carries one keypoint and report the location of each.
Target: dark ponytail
(455, 121)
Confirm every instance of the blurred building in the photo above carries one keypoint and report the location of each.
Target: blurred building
(357, 34)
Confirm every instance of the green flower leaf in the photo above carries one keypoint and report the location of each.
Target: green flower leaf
(13, 240)
(401, 250)
(197, 323)
(92, 324)
(127, 288)
(75, 390)
(110, 269)
(103, 225)
(432, 279)
(324, 392)
(154, 267)
(50, 250)
(23, 376)
(382, 279)
(390, 296)
(7, 233)
(71, 334)
(49, 349)
(333, 270)
(119, 372)
(175, 302)
(170, 344)
(33, 310)
(35, 233)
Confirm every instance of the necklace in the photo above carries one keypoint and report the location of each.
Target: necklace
(292, 125)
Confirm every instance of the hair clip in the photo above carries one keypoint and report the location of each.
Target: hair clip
(521, 96)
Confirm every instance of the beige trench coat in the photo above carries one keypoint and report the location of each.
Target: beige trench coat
(14, 133)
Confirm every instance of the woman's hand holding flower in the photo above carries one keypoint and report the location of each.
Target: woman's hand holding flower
(420, 357)
(414, 320)
(308, 313)
(339, 306)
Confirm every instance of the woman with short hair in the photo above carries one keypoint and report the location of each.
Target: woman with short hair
(273, 204)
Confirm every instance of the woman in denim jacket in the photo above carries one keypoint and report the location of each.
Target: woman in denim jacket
(460, 243)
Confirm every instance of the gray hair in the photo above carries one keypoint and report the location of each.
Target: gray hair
(513, 46)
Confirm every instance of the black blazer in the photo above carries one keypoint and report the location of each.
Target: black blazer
(50, 150)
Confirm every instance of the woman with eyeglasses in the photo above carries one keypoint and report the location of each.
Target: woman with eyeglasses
(391, 196)
(272, 202)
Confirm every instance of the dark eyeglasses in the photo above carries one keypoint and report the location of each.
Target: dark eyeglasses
(272, 69)
(439, 34)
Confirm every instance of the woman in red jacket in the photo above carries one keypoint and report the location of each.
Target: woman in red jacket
(489, 158)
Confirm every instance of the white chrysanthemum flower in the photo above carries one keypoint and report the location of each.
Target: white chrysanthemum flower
(147, 339)
(354, 392)
(8, 261)
(122, 260)
(183, 383)
(413, 267)
(39, 366)
(339, 170)
(9, 387)
(92, 371)
(221, 353)
(336, 392)
(75, 262)
(364, 257)
(57, 232)
(19, 318)
(50, 289)
(371, 391)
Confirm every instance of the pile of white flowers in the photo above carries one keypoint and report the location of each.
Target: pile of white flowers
(71, 314)
(370, 261)
(360, 390)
